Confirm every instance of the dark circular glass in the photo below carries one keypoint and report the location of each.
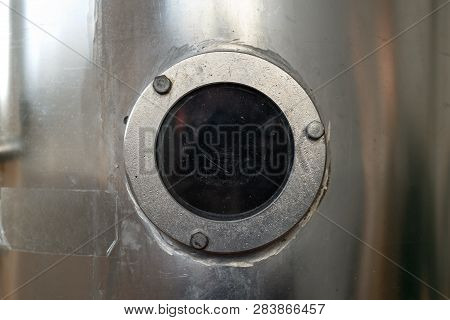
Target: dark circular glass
(224, 151)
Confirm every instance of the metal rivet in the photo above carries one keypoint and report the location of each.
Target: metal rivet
(162, 84)
(315, 130)
(199, 241)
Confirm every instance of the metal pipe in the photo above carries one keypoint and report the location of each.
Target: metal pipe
(11, 53)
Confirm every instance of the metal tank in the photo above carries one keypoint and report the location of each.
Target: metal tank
(364, 213)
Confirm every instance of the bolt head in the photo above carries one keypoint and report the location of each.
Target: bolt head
(315, 130)
(162, 84)
(199, 241)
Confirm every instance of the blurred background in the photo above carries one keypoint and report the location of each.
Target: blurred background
(70, 71)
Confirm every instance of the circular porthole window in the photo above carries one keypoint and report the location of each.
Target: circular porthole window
(225, 152)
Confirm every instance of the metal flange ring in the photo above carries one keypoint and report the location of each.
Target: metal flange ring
(214, 235)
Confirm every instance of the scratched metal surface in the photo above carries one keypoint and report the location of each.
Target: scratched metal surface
(79, 67)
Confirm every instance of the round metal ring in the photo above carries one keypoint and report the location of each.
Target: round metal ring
(179, 223)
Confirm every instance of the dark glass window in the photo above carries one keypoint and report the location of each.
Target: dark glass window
(225, 151)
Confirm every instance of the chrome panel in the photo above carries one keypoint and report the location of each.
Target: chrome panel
(387, 116)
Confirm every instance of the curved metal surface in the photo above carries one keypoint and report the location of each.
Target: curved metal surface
(379, 76)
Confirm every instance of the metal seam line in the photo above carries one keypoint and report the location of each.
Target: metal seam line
(26, 283)
(326, 83)
(57, 262)
(51, 266)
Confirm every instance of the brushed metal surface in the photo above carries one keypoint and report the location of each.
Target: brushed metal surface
(388, 118)
(49, 222)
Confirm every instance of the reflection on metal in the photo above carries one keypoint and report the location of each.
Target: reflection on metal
(388, 119)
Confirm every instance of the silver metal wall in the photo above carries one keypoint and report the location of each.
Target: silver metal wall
(71, 71)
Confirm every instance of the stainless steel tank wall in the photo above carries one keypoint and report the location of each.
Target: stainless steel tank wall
(378, 72)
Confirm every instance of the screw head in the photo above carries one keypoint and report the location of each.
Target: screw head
(315, 130)
(162, 84)
(199, 241)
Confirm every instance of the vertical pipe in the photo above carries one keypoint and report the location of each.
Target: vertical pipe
(10, 80)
